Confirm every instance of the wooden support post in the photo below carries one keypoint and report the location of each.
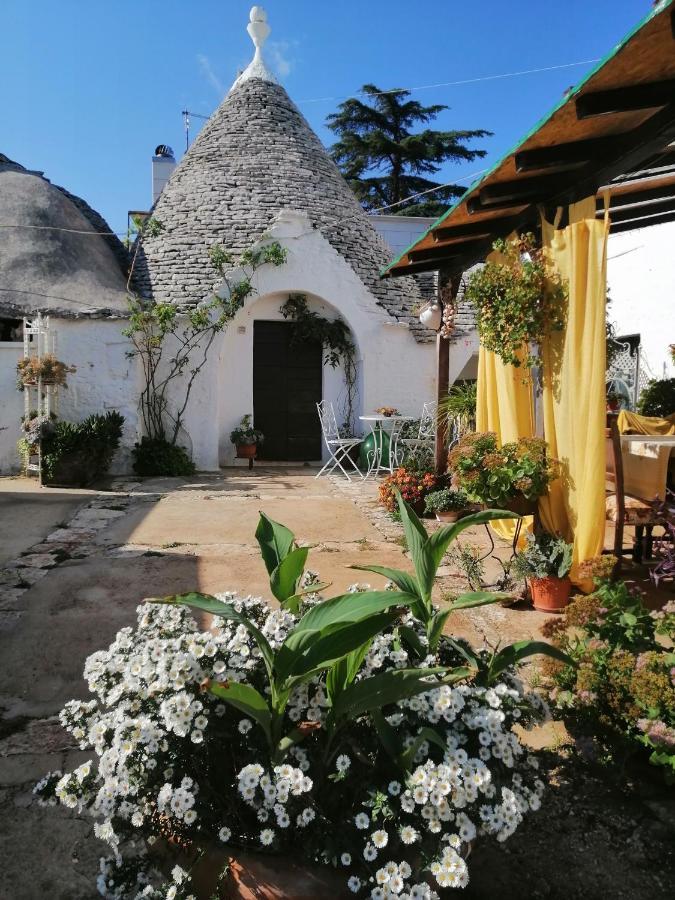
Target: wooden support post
(442, 382)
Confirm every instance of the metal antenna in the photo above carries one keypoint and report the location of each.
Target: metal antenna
(186, 122)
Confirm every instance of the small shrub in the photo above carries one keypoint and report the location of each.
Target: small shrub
(414, 486)
(545, 556)
(467, 557)
(445, 500)
(153, 456)
(658, 398)
(79, 453)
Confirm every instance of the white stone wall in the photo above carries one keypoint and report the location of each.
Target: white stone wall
(641, 280)
(105, 379)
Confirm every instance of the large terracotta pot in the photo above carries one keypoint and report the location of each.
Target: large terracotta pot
(550, 594)
(246, 451)
(228, 874)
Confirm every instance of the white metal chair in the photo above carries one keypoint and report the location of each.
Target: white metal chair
(426, 434)
(338, 447)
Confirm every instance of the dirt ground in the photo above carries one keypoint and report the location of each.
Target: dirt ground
(84, 562)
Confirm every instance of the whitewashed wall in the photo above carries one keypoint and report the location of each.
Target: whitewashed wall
(105, 379)
(641, 279)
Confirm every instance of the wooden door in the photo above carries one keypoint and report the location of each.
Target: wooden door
(287, 385)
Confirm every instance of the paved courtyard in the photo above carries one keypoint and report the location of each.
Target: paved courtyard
(76, 565)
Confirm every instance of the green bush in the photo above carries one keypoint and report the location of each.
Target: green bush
(153, 456)
(79, 453)
(658, 398)
(445, 500)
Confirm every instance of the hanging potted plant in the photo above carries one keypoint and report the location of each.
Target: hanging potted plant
(545, 564)
(246, 439)
(512, 476)
(47, 369)
(519, 300)
(446, 504)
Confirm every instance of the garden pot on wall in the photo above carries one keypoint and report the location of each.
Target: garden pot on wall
(246, 451)
(550, 594)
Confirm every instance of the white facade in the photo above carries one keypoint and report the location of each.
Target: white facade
(641, 281)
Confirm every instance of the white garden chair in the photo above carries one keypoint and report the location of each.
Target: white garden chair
(338, 447)
(426, 434)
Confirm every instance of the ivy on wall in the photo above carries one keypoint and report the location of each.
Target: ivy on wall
(334, 336)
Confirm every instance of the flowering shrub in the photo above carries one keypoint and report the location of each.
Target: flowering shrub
(492, 475)
(413, 487)
(383, 762)
(622, 689)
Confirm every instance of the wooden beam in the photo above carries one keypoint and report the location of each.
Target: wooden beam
(523, 190)
(560, 156)
(642, 222)
(442, 251)
(626, 99)
(471, 229)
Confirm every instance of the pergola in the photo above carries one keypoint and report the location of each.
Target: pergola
(614, 133)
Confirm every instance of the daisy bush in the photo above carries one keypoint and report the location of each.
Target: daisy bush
(382, 749)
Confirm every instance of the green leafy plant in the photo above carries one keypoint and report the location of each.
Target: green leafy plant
(544, 556)
(159, 458)
(519, 300)
(245, 433)
(460, 405)
(173, 344)
(619, 685)
(336, 340)
(78, 453)
(445, 500)
(493, 475)
(658, 398)
(468, 558)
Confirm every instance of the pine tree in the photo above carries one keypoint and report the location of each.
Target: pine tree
(385, 162)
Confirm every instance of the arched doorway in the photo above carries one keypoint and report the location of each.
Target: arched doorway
(287, 385)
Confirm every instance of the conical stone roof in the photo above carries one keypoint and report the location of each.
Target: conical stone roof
(255, 157)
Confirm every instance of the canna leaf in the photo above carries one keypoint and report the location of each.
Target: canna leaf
(406, 759)
(275, 540)
(404, 581)
(476, 598)
(440, 540)
(514, 653)
(246, 699)
(351, 608)
(286, 575)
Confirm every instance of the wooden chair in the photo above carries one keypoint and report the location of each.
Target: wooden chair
(625, 510)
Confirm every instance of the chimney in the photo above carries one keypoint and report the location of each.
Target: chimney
(163, 164)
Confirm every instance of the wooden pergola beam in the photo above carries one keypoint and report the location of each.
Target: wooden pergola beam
(561, 156)
(472, 229)
(642, 221)
(626, 99)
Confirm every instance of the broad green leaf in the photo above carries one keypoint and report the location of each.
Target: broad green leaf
(275, 540)
(388, 687)
(514, 653)
(329, 647)
(473, 661)
(417, 539)
(344, 671)
(404, 581)
(246, 699)
(476, 598)
(410, 637)
(388, 735)
(216, 607)
(351, 608)
(285, 576)
(295, 736)
(441, 539)
(426, 734)
(437, 624)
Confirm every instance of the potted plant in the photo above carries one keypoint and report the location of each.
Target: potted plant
(387, 411)
(413, 485)
(446, 504)
(47, 369)
(348, 736)
(613, 399)
(246, 439)
(519, 299)
(545, 564)
(512, 476)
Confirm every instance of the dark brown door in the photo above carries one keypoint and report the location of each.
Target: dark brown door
(287, 385)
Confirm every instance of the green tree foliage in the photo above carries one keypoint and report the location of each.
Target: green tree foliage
(384, 161)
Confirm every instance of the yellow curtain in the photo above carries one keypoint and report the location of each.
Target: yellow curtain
(574, 382)
(632, 423)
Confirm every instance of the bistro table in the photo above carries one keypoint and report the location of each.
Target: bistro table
(645, 463)
(377, 428)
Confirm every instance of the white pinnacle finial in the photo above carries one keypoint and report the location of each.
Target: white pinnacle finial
(259, 31)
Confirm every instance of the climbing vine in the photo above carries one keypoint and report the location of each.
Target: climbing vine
(335, 338)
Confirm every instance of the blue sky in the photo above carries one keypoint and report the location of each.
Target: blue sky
(88, 88)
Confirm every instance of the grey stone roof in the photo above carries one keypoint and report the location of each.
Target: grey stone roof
(256, 156)
(45, 269)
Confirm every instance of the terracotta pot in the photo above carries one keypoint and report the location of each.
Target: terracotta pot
(246, 451)
(550, 594)
(448, 515)
(229, 874)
